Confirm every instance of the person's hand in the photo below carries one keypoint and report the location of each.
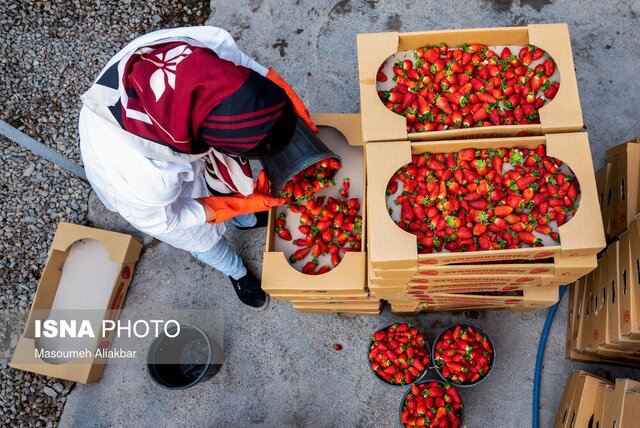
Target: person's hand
(298, 105)
(262, 184)
(223, 208)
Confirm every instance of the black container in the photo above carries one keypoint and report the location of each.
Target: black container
(182, 361)
(404, 397)
(304, 150)
(491, 361)
(426, 367)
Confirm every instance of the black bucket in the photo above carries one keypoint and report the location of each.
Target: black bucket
(183, 361)
(304, 150)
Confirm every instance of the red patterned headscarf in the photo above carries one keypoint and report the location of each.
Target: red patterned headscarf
(187, 98)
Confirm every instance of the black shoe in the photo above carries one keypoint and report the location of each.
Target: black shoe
(249, 291)
(262, 218)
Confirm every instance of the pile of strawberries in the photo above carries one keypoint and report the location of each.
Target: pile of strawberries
(463, 355)
(486, 199)
(398, 354)
(329, 226)
(471, 86)
(311, 180)
(432, 404)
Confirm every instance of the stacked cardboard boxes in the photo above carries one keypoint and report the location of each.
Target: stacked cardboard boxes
(525, 277)
(618, 188)
(521, 278)
(604, 317)
(592, 401)
(344, 288)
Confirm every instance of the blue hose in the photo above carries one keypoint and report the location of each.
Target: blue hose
(540, 358)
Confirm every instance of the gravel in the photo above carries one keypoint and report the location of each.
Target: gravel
(50, 52)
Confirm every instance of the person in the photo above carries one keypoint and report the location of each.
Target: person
(166, 132)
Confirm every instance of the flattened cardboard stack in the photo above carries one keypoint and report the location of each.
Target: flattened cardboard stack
(604, 311)
(344, 288)
(619, 189)
(592, 401)
(519, 279)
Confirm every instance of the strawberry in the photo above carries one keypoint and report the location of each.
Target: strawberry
(285, 234)
(549, 67)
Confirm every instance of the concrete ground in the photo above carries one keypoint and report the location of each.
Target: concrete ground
(280, 367)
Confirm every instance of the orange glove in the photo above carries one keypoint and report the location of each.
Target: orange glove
(298, 105)
(223, 208)
(262, 184)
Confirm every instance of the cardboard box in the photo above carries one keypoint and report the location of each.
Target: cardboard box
(625, 159)
(599, 325)
(278, 276)
(368, 307)
(586, 312)
(582, 388)
(592, 332)
(598, 411)
(87, 269)
(392, 248)
(604, 184)
(630, 410)
(630, 283)
(605, 419)
(613, 411)
(562, 414)
(563, 114)
(532, 297)
(315, 296)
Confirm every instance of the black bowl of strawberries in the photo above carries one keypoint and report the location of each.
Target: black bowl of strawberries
(399, 354)
(463, 355)
(431, 403)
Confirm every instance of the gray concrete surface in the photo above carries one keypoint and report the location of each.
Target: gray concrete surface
(280, 367)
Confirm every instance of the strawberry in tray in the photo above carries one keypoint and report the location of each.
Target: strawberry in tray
(329, 226)
(472, 86)
(486, 199)
(398, 354)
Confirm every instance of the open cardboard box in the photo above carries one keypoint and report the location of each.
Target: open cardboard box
(87, 270)
(350, 276)
(560, 115)
(392, 248)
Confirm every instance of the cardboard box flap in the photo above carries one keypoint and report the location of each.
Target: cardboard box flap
(383, 232)
(454, 38)
(373, 50)
(573, 148)
(348, 125)
(562, 111)
(121, 247)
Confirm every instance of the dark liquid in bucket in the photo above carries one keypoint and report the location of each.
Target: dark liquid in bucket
(195, 351)
(181, 362)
